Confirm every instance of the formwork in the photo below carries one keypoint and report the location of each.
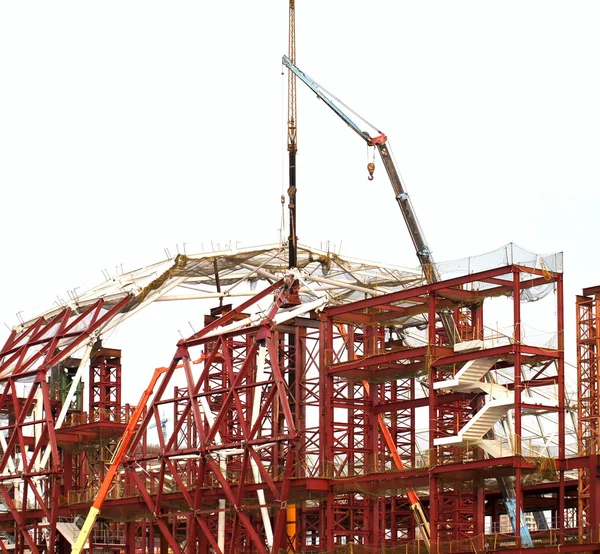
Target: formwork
(309, 411)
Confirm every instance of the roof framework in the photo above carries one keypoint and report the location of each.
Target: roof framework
(365, 310)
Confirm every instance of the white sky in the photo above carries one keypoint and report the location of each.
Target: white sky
(128, 127)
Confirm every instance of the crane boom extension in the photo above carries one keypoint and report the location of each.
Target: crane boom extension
(402, 198)
(124, 443)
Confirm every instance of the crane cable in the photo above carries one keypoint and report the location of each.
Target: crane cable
(371, 161)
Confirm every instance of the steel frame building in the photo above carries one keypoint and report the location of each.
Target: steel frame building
(290, 409)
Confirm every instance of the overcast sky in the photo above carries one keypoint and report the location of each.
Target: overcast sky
(128, 127)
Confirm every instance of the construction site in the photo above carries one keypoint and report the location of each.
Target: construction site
(327, 404)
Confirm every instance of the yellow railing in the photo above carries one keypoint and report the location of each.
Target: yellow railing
(118, 414)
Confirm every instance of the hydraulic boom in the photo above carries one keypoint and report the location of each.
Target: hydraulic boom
(124, 443)
(408, 213)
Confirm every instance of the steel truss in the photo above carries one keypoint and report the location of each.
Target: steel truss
(281, 407)
(588, 414)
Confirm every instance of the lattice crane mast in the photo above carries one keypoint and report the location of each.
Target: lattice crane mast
(292, 138)
(292, 145)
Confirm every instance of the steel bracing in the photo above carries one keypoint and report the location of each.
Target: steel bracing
(303, 418)
(588, 414)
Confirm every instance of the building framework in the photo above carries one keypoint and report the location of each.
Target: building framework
(310, 413)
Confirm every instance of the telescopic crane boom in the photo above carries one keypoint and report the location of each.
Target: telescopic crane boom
(381, 143)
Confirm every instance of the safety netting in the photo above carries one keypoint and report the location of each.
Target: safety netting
(510, 254)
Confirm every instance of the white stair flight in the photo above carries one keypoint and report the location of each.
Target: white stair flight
(470, 374)
(69, 531)
(469, 379)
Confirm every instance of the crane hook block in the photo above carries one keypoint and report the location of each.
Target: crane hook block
(371, 170)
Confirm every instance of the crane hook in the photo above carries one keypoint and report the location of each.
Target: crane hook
(371, 170)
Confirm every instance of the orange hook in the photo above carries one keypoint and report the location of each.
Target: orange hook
(371, 170)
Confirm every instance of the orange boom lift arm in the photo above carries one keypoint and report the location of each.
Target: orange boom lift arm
(122, 447)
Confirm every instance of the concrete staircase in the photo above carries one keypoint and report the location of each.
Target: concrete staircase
(8, 542)
(480, 423)
(495, 450)
(501, 400)
(70, 531)
(468, 376)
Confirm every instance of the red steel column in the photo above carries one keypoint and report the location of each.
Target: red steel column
(516, 296)
(588, 379)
